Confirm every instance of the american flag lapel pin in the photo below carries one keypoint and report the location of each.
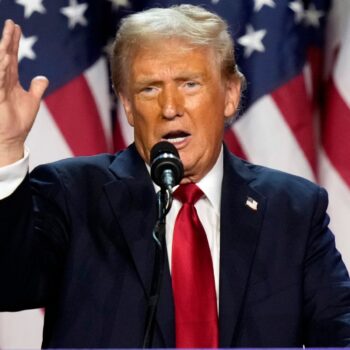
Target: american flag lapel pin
(251, 203)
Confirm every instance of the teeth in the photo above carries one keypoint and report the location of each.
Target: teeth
(176, 139)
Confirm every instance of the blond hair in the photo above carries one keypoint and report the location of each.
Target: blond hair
(194, 24)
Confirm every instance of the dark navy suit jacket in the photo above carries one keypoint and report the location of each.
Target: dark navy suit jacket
(76, 239)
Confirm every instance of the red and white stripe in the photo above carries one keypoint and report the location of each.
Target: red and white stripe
(265, 135)
(75, 119)
(334, 159)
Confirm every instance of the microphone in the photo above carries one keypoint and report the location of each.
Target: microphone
(166, 171)
(166, 166)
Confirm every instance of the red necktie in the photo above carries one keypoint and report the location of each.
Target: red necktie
(196, 317)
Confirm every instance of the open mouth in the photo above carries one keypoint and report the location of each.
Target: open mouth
(175, 136)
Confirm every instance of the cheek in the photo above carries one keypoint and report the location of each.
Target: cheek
(212, 119)
(143, 131)
(143, 116)
(149, 109)
(146, 127)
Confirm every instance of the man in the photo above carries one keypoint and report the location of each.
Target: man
(76, 235)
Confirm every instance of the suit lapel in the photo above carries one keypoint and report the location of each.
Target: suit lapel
(240, 229)
(133, 201)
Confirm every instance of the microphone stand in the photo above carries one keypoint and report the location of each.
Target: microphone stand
(164, 202)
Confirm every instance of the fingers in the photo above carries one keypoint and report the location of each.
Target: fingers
(11, 36)
(9, 45)
(38, 86)
(4, 63)
(17, 33)
(7, 36)
(13, 51)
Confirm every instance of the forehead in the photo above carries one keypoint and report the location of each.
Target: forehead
(172, 56)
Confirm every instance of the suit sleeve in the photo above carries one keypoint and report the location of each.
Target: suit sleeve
(326, 285)
(33, 237)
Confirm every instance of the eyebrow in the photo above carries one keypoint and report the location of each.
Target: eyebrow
(144, 80)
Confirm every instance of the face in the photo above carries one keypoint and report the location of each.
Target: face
(176, 93)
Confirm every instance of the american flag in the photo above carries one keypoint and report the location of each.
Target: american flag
(295, 114)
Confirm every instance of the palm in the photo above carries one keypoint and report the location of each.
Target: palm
(18, 109)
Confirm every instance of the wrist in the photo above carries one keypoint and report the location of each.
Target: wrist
(11, 153)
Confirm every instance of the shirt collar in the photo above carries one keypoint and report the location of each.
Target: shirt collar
(211, 183)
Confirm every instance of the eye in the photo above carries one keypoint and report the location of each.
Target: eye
(149, 90)
(191, 84)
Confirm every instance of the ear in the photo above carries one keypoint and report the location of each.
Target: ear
(233, 95)
(127, 108)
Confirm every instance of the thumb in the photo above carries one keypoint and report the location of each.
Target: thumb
(38, 86)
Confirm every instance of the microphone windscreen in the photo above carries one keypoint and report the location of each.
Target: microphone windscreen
(163, 147)
(164, 157)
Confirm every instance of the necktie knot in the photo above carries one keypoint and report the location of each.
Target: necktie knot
(188, 193)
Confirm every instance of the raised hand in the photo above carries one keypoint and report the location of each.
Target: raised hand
(18, 107)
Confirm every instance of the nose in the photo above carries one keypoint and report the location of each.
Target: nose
(171, 102)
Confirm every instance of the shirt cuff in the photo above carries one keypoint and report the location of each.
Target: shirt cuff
(11, 176)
